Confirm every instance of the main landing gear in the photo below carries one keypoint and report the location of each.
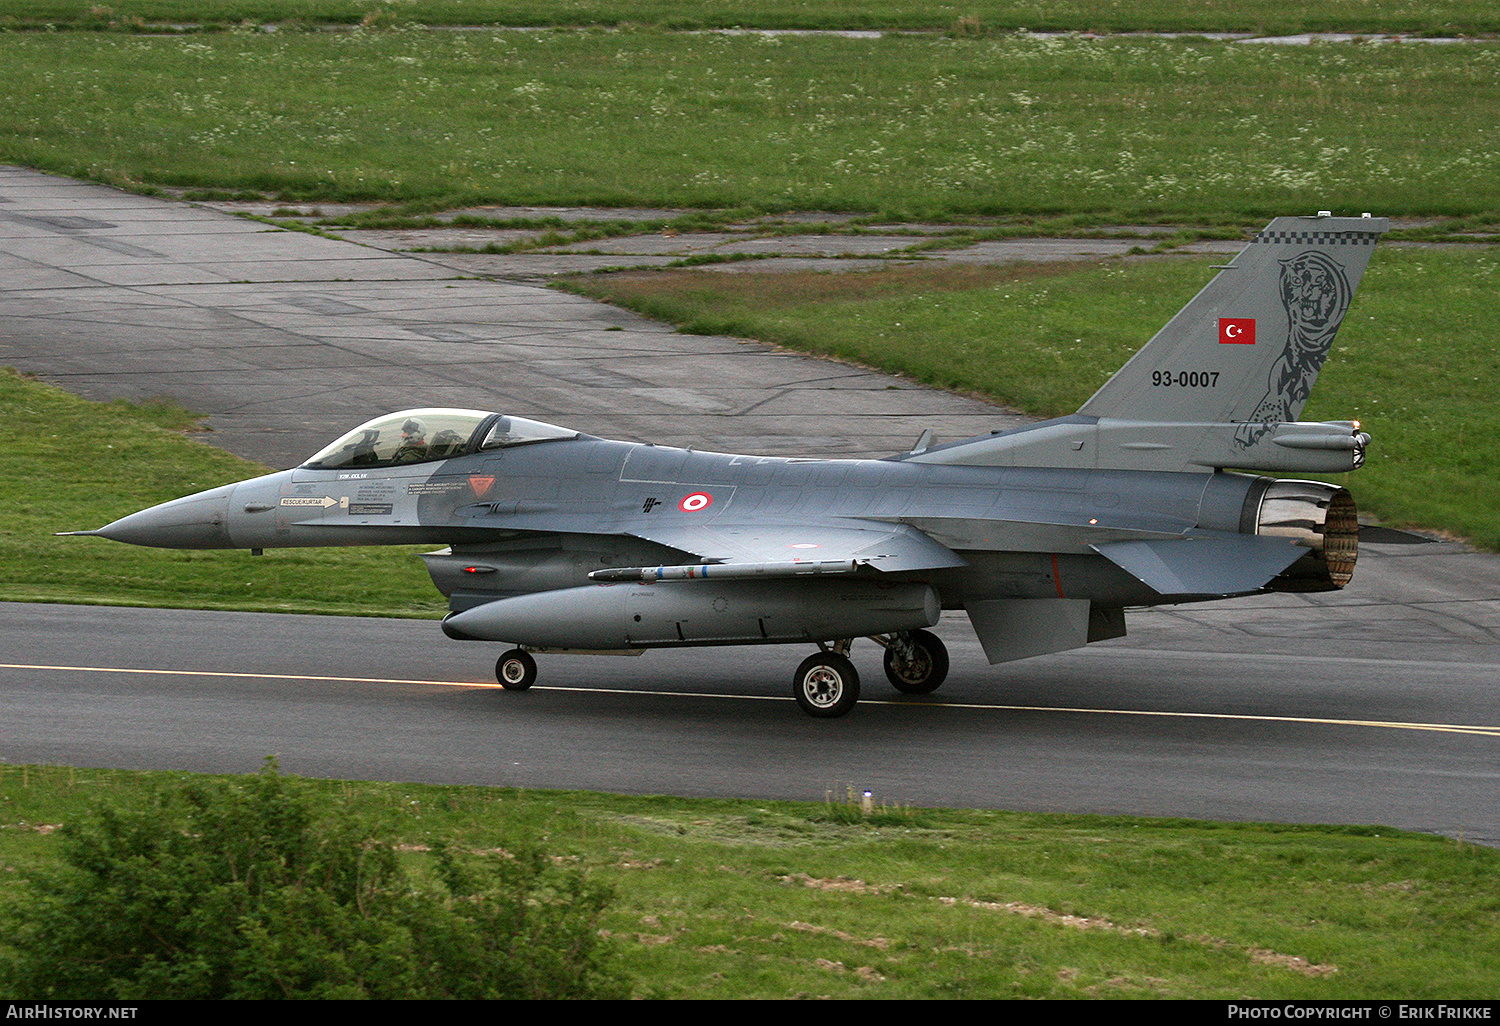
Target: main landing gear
(826, 685)
(516, 670)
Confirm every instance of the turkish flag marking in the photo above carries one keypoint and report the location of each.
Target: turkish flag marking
(480, 484)
(1237, 331)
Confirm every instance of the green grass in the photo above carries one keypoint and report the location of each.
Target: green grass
(762, 899)
(909, 126)
(1415, 360)
(78, 465)
(1277, 16)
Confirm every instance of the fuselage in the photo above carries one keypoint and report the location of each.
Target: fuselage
(566, 507)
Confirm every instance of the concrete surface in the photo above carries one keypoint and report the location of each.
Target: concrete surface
(285, 339)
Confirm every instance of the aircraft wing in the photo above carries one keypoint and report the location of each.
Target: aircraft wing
(772, 549)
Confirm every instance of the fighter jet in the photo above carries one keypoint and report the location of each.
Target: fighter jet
(1154, 492)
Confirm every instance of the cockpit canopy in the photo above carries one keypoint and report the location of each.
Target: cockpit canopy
(417, 436)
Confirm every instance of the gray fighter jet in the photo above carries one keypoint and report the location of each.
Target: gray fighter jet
(560, 541)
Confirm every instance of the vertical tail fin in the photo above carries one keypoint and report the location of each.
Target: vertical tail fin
(1223, 383)
(1248, 348)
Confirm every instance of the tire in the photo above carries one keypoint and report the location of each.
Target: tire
(921, 674)
(826, 685)
(516, 670)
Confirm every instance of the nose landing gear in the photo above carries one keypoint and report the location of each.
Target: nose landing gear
(516, 670)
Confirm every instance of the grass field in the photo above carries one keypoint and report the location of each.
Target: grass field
(904, 126)
(738, 899)
(1268, 16)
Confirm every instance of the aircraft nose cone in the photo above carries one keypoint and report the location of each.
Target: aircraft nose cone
(195, 522)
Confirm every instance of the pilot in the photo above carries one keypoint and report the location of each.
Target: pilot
(413, 442)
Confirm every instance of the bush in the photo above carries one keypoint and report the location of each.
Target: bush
(243, 891)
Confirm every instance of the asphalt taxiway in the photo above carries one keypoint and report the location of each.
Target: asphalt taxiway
(1377, 704)
(1182, 720)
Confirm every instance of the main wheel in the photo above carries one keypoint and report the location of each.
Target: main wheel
(921, 667)
(826, 685)
(516, 670)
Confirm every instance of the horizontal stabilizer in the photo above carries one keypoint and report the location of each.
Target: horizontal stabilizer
(1292, 447)
(1204, 564)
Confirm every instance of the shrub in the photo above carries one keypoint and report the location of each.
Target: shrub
(245, 891)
